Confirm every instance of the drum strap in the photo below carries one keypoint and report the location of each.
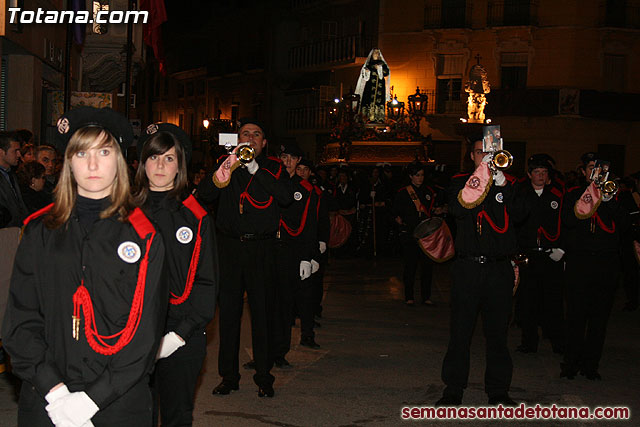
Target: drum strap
(416, 200)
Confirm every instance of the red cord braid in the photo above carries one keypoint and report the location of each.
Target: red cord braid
(191, 275)
(604, 228)
(303, 221)
(81, 298)
(549, 237)
(484, 214)
(256, 204)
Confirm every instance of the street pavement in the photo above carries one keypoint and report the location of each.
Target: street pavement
(377, 356)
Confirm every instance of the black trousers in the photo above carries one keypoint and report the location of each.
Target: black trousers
(318, 284)
(246, 266)
(414, 257)
(133, 409)
(630, 271)
(540, 300)
(175, 381)
(591, 284)
(288, 278)
(485, 288)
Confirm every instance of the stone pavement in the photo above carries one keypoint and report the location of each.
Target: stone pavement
(379, 355)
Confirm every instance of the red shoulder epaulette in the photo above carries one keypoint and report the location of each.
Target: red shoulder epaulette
(274, 158)
(141, 223)
(37, 213)
(512, 179)
(402, 189)
(306, 184)
(573, 188)
(192, 204)
(521, 180)
(318, 190)
(556, 192)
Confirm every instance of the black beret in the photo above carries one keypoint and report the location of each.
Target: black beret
(115, 123)
(306, 162)
(540, 160)
(250, 120)
(291, 149)
(174, 130)
(588, 157)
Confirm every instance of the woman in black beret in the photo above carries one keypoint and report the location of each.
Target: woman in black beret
(87, 300)
(192, 266)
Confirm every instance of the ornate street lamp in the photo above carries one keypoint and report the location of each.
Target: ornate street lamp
(395, 109)
(417, 107)
(351, 105)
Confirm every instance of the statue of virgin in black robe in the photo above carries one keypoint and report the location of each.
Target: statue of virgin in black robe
(373, 87)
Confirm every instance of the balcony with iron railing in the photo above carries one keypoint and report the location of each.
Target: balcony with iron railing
(620, 14)
(512, 13)
(329, 52)
(446, 15)
(307, 118)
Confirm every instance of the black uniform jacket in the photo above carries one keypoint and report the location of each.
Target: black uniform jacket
(345, 200)
(299, 222)
(538, 218)
(260, 195)
(599, 234)
(485, 229)
(190, 309)
(50, 265)
(405, 208)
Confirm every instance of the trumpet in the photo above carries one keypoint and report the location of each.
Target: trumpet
(500, 160)
(600, 177)
(608, 187)
(246, 154)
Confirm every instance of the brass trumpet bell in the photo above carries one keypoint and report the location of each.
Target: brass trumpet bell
(609, 187)
(501, 160)
(246, 154)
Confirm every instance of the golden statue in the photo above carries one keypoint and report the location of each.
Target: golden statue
(477, 87)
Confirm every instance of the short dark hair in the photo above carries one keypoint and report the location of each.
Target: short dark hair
(24, 136)
(27, 171)
(6, 138)
(414, 167)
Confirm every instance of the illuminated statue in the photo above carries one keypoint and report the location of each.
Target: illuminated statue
(477, 87)
(373, 87)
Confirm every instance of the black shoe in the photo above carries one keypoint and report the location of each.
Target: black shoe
(502, 399)
(591, 375)
(251, 365)
(224, 388)
(266, 391)
(522, 348)
(309, 342)
(449, 400)
(282, 363)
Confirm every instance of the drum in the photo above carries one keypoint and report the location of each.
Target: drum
(434, 238)
(339, 232)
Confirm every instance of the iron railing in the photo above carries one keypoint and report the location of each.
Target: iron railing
(329, 51)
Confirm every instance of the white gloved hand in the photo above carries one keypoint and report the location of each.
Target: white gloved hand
(315, 266)
(61, 391)
(75, 409)
(556, 254)
(323, 247)
(305, 270)
(487, 158)
(169, 344)
(606, 197)
(499, 179)
(253, 167)
(373, 194)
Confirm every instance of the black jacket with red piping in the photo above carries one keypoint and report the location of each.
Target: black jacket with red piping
(405, 208)
(191, 261)
(497, 237)
(299, 221)
(110, 263)
(261, 196)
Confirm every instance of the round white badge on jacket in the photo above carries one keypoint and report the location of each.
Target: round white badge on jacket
(554, 205)
(297, 195)
(428, 197)
(129, 252)
(184, 235)
(499, 197)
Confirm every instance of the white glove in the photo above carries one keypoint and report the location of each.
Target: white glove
(305, 270)
(487, 158)
(556, 254)
(315, 266)
(373, 194)
(606, 197)
(61, 391)
(323, 247)
(499, 179)
(253, 167)
(169, 344)
(74, 409)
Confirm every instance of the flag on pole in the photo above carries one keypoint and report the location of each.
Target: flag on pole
(78, 30)
(152, 29)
